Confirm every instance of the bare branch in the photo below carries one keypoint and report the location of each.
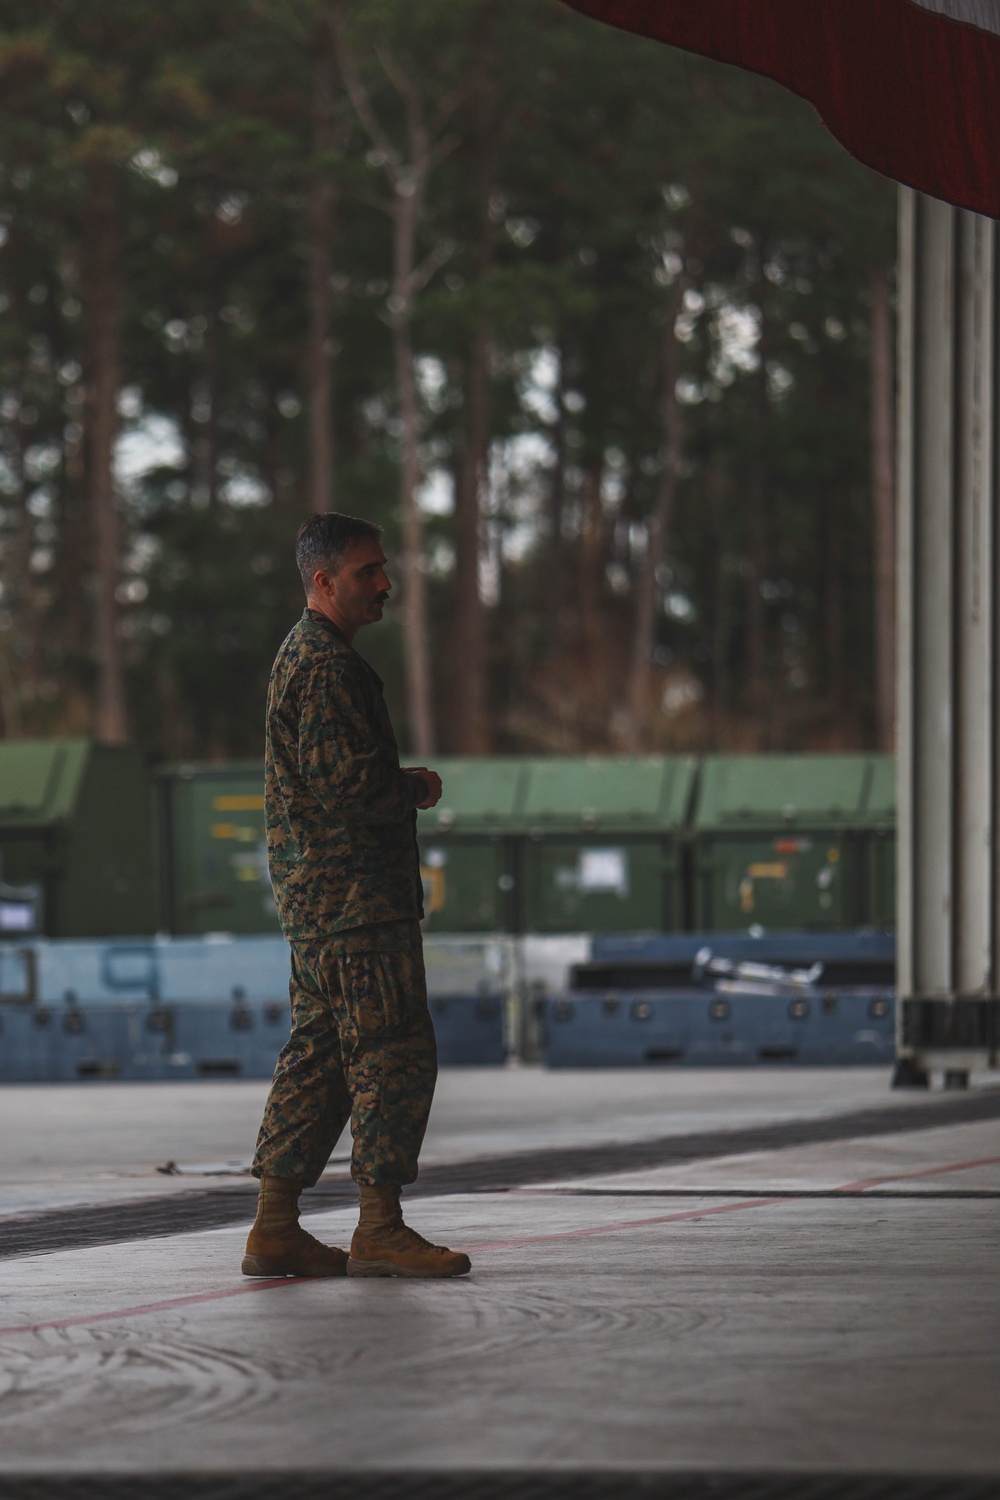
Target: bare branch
(375, 200)
(442, 148)
(358, 95)
(421, 150)
(396, 76)
(421, 275)
(449, 105)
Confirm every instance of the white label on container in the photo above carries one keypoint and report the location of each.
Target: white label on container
(603, 870)
(17, 916)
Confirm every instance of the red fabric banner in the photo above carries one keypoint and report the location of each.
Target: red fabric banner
(908, 90)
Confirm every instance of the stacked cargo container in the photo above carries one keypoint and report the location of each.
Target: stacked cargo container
(516, 845)
(791, 841)
(523, 860)
(76, 840)
(556, 845)
(213, 865)
(467, 847)
(602, 843)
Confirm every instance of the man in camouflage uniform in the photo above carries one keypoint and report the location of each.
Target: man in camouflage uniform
(342, 852)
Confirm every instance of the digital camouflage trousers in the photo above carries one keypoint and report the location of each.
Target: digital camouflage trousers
(362, 1049)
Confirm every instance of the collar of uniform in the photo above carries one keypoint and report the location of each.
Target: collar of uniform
(315, 618)
(318, 619)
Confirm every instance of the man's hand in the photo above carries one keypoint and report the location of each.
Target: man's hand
(432, 781)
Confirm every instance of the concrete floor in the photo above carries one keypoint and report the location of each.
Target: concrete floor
(93, 1142)
(820, 1308)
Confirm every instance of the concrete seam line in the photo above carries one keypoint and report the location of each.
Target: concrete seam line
(721, 1208)
(591, 1231)
(557, 1482)
(80, 1226)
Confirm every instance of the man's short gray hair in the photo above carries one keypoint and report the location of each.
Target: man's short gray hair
(323, 541)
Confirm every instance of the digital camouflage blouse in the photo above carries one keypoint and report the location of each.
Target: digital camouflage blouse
(340, 814)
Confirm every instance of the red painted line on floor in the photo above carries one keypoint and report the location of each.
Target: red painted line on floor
(623, 1224)
(955, 1166)
(617, 1227)
(153, 1307)
(84, 1319)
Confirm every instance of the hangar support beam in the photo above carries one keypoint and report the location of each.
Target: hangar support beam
(949, 641)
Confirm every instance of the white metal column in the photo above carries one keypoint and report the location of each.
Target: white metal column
(949, 645)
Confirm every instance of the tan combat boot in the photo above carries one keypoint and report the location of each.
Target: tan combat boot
(384, 1246)
(278, 1245)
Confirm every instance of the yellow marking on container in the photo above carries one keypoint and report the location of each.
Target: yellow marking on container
(239, 804)
(773, 871)
(237, 831)
(434, 888)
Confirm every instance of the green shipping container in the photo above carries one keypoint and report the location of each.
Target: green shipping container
(213, 852)
(76, 840)
(881, 842)
(467, 851)
(778, 841)
(603, 845)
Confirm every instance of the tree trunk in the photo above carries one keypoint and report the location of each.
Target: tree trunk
(470, 710)
(715, 498)
(884, 508)
(18, 592)
(408, 177)
(101, 311)
(415, 622)
(756, 554)
(10, 707)
(17, 597)
(833, 588)
(554, 606)
(321, 215)
(75, 554)
(470, 707)
(205, 448)
(658, 527)
(591, 560)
